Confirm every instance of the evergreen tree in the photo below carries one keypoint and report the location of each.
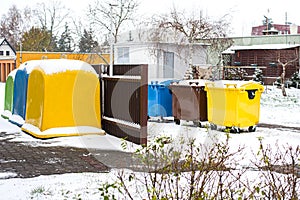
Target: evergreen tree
(38, 39)
(65, 42)
(295, 80)
(87, 42)
(258, 75)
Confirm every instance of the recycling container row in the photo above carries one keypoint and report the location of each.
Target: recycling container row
(231, 104)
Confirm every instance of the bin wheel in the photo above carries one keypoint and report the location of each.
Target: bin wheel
(160, 119)
(196, 123)
(252, 128)
(227, 129)
(234, 130)
(213, 127)
(177, 121)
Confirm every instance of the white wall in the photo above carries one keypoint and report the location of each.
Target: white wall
(4, 48)
(152, 54)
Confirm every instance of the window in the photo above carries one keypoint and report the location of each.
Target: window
(168, 67)
(123, 55)
(7, 53)
(1, 53)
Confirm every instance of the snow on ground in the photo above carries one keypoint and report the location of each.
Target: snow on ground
(65, 186)
(2, 92)
(275, 109)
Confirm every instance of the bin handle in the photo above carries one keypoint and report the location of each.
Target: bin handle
(210, 83)
(261, 89)
(230, 84)
(244, 85)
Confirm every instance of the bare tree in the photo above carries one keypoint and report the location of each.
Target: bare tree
(122, 10)
(14, 24)
(52, 16)
(284, 64)
(197, 28)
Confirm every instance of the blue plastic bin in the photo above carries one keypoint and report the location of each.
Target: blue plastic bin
(20, 94)
(160, 99)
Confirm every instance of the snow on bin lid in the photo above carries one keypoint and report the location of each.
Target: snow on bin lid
(225, 83)
(13, 73)
(199, 82)
(163, 83)
(52, 66)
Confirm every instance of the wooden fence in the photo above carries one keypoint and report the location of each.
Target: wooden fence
(125, 102)
(6, 67)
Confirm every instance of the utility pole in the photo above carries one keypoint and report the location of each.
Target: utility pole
(111, 40)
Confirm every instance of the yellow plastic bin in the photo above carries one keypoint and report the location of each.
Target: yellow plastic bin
(233, 104)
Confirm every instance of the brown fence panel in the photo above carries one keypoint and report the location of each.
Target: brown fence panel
(124, 106)
(128, 70)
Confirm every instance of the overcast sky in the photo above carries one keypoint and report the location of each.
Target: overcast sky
(245, 14)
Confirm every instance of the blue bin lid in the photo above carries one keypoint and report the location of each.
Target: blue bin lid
(168, 82)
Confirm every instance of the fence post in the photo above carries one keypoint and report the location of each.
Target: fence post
(144, 104)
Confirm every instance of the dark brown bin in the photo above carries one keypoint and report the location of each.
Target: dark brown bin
(189, 102)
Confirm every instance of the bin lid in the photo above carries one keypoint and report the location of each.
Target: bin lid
(245, 85)
(168, 82)
(162, 84)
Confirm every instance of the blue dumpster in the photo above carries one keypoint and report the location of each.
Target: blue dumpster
(160, 99)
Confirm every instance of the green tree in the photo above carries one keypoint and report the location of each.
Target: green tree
(65, 43)
(37, 39)
(87, 42)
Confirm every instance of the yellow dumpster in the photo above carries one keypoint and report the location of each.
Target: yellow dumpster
(63, 99)
(233, 104)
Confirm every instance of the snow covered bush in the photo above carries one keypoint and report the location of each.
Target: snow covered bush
(189, 171)
(235, 74)
(280, 171)
(287, 83)
(199, 171)
(258, 75)
(295, 80)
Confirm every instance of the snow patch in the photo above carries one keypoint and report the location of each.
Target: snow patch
(76, 129)
(31, 128)
(53, 66)
(12, 73)
(119, 121)
(2, 95)
(11, 161)
(123, 77)
(199, 82)
(16, 119)
(6, 114)
(62, 130)
(6, 175)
